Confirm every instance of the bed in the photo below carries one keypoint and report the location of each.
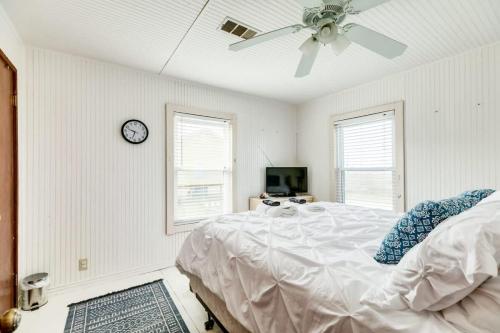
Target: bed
(305, 273)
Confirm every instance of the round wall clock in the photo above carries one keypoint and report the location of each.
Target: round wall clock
(134, 131)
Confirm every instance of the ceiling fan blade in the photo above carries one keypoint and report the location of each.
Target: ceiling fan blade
(309, 50)
(340, 44)
(310, 3)
(374, 41)
(358, 6)
(265, 37)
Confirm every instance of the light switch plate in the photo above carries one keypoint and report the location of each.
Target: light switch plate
(82, 264)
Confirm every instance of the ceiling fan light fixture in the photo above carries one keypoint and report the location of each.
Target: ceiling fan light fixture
(309, 45)
(309, 50)
(328, 33)
(325, 31)
(340, 44)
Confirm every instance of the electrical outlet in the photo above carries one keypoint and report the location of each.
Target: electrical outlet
(82, 264)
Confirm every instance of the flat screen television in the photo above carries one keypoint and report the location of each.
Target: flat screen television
(286, 181)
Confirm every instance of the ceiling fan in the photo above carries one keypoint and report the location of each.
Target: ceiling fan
(324, 17)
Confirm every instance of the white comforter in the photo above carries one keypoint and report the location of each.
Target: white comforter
(301, 274)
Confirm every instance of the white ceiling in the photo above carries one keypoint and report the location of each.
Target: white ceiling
(143, 34)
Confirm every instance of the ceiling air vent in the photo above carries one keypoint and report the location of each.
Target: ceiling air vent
(236, 28)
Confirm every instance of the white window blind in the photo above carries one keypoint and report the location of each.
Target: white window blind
(365, 161)
(202, 167)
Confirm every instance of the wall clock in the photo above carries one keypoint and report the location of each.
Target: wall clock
(134, 131)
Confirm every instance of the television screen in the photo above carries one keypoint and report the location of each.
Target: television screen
(286, 181)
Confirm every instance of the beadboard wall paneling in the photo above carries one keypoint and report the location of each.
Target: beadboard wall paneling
(452, 117)
(91, 194)
(144, 33)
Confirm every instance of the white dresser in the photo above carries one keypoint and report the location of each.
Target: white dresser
(253, 202)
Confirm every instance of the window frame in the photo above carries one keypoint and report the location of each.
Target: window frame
(170, 110)
(399, 139)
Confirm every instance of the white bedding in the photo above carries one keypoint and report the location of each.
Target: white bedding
(301, 274)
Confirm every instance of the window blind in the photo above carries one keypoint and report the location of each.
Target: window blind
(365, 161)
(202, 167)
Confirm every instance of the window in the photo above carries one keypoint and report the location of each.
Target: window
(199, 170)
(369, 158)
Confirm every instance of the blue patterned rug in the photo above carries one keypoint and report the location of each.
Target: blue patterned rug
(141, 309)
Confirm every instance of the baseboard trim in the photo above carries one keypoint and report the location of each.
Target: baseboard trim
(107, 278)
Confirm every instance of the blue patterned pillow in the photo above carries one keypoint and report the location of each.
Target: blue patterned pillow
(416, 224)
(477, 195)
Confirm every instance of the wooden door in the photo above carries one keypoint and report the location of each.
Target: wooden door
(8, 184)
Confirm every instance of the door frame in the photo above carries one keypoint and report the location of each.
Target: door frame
(4, 57)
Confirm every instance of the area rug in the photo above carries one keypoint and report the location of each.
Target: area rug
(140, 309)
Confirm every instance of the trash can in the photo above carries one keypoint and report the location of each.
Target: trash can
(34, 291)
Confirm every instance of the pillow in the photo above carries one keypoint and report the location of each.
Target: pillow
(449, 264)
(415, 225)
(478, 312)
(477, 195)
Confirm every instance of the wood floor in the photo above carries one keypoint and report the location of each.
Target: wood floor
(52, 317)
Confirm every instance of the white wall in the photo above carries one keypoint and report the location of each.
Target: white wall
(448, 151)
(93, 195)
(10, 42)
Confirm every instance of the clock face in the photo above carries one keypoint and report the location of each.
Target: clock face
(134, 131)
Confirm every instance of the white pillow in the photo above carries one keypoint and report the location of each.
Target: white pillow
(479, 311)
(457, 256)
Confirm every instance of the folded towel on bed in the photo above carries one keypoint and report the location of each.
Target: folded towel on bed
(282, 211)
(297, 201)
(262, 209)
(314, 208)
(306, 209)
(271, 202)
(289, 209)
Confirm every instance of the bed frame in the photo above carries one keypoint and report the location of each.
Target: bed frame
(215, 307)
